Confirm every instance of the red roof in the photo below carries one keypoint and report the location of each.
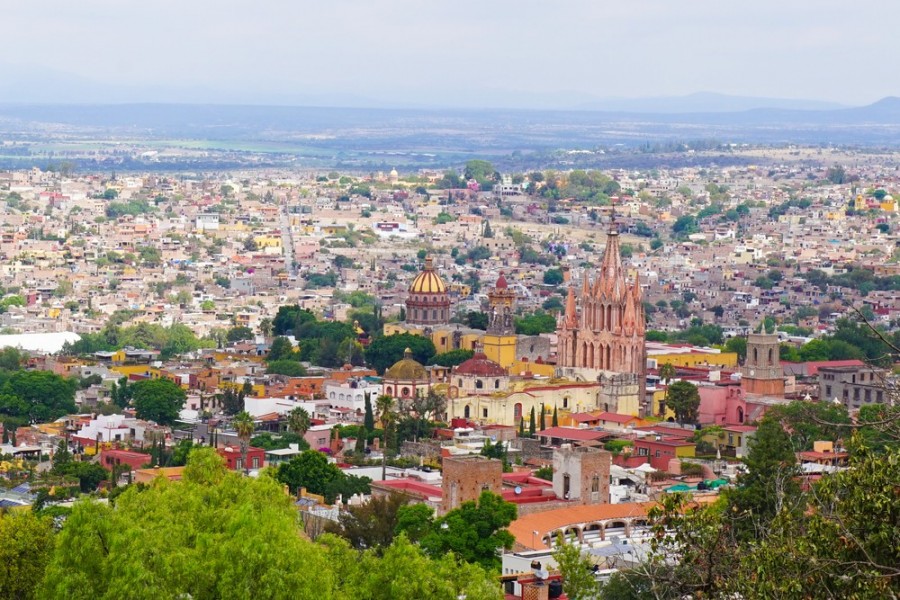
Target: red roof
(616, 417)
(501, 282)
(584, 417)
(570, 433)
(480, 366)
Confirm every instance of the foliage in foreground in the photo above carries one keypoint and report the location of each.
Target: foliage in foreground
(216, 534)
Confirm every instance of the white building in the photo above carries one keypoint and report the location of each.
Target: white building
(351, 394)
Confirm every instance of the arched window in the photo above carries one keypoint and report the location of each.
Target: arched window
(756, 356)
(479, 384)
(566, 402)
(496, 384)
(517, 411)
(771, 361)
(404, 392)
(390, 391)
(467, 411)
(740, 414)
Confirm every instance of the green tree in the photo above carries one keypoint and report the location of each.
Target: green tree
(26, 547)
(667, 372)
(287, 367)
(452, 358)
(298, 421)
(474, 531)
(553, 277)
(369, 417)
(310, 470)
(532, 424)
(684, 400)
(244, 427)
(579, 582)
(371, 524)
(237, 334)
(281, 349)
(555, 421)
(158, 400)
(415, 521)
(535, 324)
(769, 482)
(383, 352)
(35, 396)
(737, 345)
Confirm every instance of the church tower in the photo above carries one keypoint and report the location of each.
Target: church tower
(604, 327)
(762, 373)
(499, 343)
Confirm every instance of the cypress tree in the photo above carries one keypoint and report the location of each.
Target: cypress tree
(543, 418)
(361, 441)
(555, 421)
(531, 424)
(369, 420)
(521, 427)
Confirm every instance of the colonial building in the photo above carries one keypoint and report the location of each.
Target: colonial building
(406, 379)
(428, 303)
(603, 328)
(762, 373)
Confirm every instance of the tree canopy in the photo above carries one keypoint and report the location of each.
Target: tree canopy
(158, 400)
(216, 534)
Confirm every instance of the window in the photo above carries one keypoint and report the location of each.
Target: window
(657, 454)
(478, 384)
(496, 384)
(517, 411)
(239, 464)
(879, 397)
(255, 462)
(868, 395)
(484, 413)
(827, 392)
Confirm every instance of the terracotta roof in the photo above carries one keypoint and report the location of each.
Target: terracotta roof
(616, 417)
(480, 366)
(570, 433)
(545, 522)
(501, 282)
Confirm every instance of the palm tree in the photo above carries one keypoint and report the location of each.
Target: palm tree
(244, 426)
(384, 406)
(298, 421)
(265, 327)
(667, 372)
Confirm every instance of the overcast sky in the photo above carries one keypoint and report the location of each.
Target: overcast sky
(464, 52)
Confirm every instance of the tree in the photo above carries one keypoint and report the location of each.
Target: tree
(286, 367)
(452, 358)
(579, 582)
(371, 524)
(244, 427)
(684, 400)
(555, 421)
(158, 400)
(769, 482)
(476, 320)
(474, 531)
(535, 324)
(369, 418)
(543, 422)
(281, 349)
(35, 396)
(737, 345)
(26, 547)
(310, 470)
(553, 277)
(237, 334)
(415, 521)
(383, 352)
(667, 372)
(298, 421)
(531, 424)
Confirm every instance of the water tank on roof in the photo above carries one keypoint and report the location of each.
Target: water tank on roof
(555, 588)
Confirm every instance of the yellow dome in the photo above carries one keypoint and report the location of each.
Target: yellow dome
(407, 369)
(428, 281)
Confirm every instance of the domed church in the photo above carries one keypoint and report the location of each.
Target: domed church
(428, 303)
(406, 379)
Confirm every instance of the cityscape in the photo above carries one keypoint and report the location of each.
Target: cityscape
(376, 346)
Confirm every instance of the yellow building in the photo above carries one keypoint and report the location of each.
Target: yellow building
(690, 356)
(510, 407)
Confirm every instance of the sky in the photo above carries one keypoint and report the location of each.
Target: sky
(516, 53)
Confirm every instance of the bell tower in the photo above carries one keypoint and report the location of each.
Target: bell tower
(500, 340)
(762, 373)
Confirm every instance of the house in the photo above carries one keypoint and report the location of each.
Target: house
(256, 458)
(661, 450)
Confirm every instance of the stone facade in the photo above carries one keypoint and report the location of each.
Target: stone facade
(581, 475)
(604, 328)
(762, 373)
(464, 478)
